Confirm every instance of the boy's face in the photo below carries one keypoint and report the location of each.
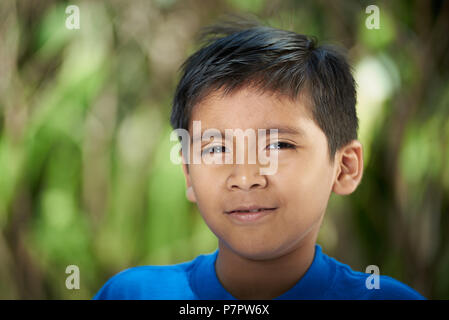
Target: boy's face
(299, 189)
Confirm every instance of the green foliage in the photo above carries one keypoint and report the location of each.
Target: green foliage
(85, 174)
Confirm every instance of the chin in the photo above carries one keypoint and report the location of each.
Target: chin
(257, 252)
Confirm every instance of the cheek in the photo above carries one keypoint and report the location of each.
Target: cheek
(208, 187)
(209, 192)
(305, 185)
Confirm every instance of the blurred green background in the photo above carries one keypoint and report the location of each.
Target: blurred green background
(85, 173)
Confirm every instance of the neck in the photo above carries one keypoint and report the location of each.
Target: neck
(263, 279)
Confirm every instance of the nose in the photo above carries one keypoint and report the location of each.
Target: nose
(246, 177)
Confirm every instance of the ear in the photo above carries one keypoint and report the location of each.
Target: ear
(349, 162)
(190, 194)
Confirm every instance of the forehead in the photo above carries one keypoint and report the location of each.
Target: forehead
(249, 108)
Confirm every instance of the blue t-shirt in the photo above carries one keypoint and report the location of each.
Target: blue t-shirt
(326, 278)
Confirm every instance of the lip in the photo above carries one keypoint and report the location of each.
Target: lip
(250, 217)
(249, 208)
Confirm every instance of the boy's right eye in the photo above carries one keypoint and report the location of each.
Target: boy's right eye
(214, 150)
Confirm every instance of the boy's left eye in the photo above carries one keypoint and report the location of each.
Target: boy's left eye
(282, 145)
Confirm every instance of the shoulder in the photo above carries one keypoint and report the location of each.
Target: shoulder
(350, 284)
(149, 283)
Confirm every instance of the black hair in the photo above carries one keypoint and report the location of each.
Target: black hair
(234, 55)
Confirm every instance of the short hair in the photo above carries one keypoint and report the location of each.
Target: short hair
(235, 55)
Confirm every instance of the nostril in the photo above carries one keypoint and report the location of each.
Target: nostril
(246, 182)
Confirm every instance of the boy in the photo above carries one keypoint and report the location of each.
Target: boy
(250, 77)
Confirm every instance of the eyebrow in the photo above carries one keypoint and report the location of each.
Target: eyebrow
(295, 131)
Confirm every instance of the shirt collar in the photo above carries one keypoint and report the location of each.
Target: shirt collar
(313, 285)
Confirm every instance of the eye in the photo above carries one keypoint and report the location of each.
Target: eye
(214, 150)
(281, 145)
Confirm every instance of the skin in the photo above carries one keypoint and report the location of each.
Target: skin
(263, 259)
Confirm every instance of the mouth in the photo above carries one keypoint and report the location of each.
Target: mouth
(250, 214)
(250, 209)
(242, 211)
